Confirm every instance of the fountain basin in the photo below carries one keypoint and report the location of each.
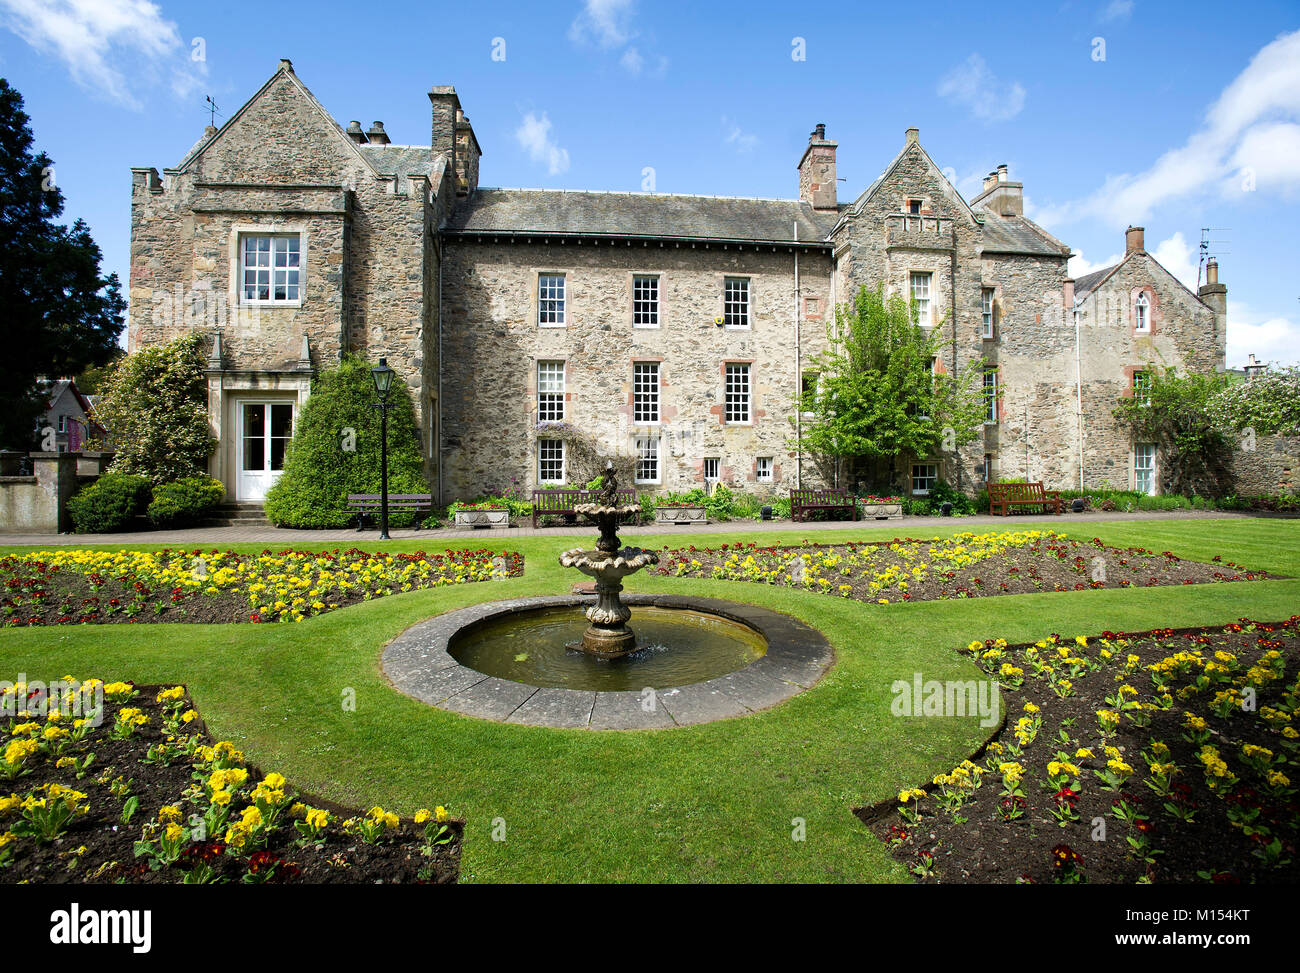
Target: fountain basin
(420, 664)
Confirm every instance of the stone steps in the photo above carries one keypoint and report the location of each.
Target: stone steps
(238, 514)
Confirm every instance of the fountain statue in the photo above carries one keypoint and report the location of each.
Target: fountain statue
(608, 636)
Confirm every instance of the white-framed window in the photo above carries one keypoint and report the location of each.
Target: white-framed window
(1142, 387)
(645, 302)
(712, 468)
(763, 469)
(550, 301)
(1142, 309)
(735, 302)
(924, 477)
(550, 461)
(990, 395)
(1144, 468)
(920, 287)
(270, 268)
(550, 391)
(645, 392)
(986, 312)
(63, 423)
(736, 405)
(647, 459)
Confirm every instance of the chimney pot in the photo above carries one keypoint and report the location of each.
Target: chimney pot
(1002, 172)
(1212, 273)
(377, 134)
(355, 134)
(1134, 240)
(820, 131)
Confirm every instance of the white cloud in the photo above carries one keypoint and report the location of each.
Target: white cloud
(632, 61)
(1178, 257)
(534, 135)
(742, 141)
(604, 22)
(1080, 265)
(1117, 10)
(105, 42)
(1248, 125)
(973, 86)
(1271, 338)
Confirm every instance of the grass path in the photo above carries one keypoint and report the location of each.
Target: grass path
(710, 803)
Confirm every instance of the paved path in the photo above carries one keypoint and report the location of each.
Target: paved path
(278, 538)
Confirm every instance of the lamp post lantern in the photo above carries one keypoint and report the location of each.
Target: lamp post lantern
(383, 378)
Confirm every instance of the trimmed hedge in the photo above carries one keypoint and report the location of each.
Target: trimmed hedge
(185, 501)
(109, 504)
(335, 451)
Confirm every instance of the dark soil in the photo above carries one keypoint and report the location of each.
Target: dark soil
(97, 847)
(1041, 561)
(986, 847)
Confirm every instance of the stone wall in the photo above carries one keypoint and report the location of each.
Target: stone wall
(492, 344)
(1269, 469)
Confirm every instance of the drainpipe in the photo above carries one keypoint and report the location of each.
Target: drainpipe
(437, 420)
(1078, 394)
(798, 373)
(953, 295)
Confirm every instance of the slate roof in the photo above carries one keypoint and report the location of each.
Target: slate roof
(649, 215)
(403, 160)
(1015, 234)
(1089, 282)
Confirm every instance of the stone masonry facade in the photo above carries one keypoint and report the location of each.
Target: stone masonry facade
(677, 329)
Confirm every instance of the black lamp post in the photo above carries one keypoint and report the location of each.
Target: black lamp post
(383, 377)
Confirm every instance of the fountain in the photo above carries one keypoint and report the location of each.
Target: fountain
(608, 635)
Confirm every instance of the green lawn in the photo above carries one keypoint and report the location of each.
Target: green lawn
(710, 803)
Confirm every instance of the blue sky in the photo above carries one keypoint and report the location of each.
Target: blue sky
(1176, 116)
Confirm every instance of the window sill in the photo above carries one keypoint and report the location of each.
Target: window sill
(297, 303)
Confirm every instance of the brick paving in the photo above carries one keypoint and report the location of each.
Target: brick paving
(277, 537)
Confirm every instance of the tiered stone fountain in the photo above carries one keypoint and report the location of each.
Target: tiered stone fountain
(608, 636)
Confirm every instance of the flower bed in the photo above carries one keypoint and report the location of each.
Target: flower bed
(140, 793)
(69, 587)
(966, 565)
(1162, 757)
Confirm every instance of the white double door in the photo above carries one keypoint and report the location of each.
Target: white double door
(265, 429)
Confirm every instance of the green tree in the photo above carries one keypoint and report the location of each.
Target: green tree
(877, 398)
(335, 450)
(1173, 413)
(1269, 404)
(155, 408)
(60, 315)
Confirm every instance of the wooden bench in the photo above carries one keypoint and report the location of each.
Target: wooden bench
(370, 503)
(829, 498)
(562, 503)
(1008, 495)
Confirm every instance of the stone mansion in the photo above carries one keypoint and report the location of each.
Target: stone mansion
(679, 328)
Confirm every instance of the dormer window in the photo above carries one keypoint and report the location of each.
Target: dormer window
(1142, 320)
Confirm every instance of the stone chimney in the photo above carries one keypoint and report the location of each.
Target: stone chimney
(1215, 296)
(1000, 195)
(446, 111)
(355, 134)
(817, 184)
(1134, 240)
(912, 135)
(467, 155)
(377, 135)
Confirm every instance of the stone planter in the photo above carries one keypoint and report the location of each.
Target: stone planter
(681, 515)
(880, 511)
(483, 518)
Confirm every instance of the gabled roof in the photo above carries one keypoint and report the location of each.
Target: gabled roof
(1085, 285)
(858, 204)
(284, 70)
(560, 212)
(1015, 234)
(405, 160)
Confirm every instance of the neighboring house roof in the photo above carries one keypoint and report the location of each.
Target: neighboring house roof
(1015, 234)
(561, 212)
(1085, 285)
